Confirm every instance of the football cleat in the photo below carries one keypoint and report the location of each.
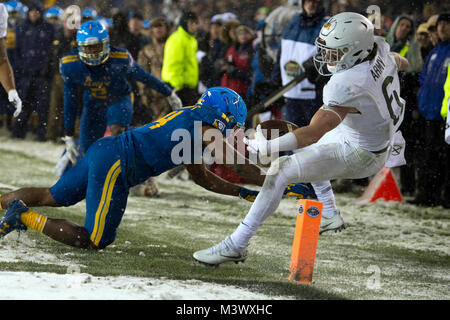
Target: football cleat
(335, 223)
(223, 252)
(11, 219)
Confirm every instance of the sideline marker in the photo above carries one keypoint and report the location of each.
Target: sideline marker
(306, 236)
(382, 186)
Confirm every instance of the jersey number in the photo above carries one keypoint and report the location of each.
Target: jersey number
(162, 121)
(390, 97)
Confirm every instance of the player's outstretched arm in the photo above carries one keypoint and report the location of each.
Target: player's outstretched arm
(231, 157)
(7, 78)
(208, 180)
(325, 119)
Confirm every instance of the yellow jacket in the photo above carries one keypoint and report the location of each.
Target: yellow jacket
(180, 65)
(447, 95)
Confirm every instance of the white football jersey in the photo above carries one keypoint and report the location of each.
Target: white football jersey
(373, 88)
(3, 20)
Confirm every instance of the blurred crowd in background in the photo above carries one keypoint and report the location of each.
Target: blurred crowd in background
(237, 45)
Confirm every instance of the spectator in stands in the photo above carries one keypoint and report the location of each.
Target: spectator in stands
(402, 39)
(209, 71)
(34, 40)
(228, 34)
(424, 40)
(432, 29)
(119, 31)
(238, 62)
(136, 40)
(432, 164)
(297, 46)
(151, 59)
(64, 42)
(228, 38)
(180, 66)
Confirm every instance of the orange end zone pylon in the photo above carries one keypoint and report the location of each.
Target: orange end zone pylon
(382, 186)
(306, 237)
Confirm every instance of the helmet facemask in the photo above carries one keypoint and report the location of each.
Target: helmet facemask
(329, 60)
(94, 52)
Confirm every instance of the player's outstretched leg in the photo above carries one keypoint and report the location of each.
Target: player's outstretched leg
(223, 252)
(19, 217)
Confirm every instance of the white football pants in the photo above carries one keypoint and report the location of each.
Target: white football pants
(332, 157)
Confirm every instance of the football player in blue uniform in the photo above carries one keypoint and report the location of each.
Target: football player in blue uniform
(102, 72)
(114, 164)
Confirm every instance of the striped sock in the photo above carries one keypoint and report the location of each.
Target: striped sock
(33, 220)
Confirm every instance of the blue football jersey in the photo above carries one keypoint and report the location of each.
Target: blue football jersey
(168, 142)
(102, 85)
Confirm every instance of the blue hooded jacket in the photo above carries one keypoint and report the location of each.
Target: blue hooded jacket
(33, 45)
(432, 79)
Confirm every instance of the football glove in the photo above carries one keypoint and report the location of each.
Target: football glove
(259, 144)
(247, 194)
(13, 97)
(297, 190)
(174, 101)
(71, 149)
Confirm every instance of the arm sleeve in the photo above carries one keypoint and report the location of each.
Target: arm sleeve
(136, 72)
(70, 103)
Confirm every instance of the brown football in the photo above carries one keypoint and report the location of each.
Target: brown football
(277, 128)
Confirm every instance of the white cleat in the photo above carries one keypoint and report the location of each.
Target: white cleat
(220, 253)
(335, 223)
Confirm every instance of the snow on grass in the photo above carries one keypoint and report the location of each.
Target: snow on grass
(83, 286)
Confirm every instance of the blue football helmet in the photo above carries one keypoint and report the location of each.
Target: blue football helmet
(54, 13)
(93, 43)
(89, 13)
(13, 6)
(16, 11)
(228, 102)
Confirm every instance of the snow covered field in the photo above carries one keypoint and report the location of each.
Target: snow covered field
(389, 250)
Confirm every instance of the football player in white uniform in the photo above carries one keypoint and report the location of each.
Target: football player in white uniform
(349, 137)
(6, 72)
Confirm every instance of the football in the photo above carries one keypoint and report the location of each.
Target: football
(277, 128)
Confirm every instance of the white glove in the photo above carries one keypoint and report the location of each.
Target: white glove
(62, 164)
(71, 149)
(174, 101)
(259, 144)
(13, 97)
